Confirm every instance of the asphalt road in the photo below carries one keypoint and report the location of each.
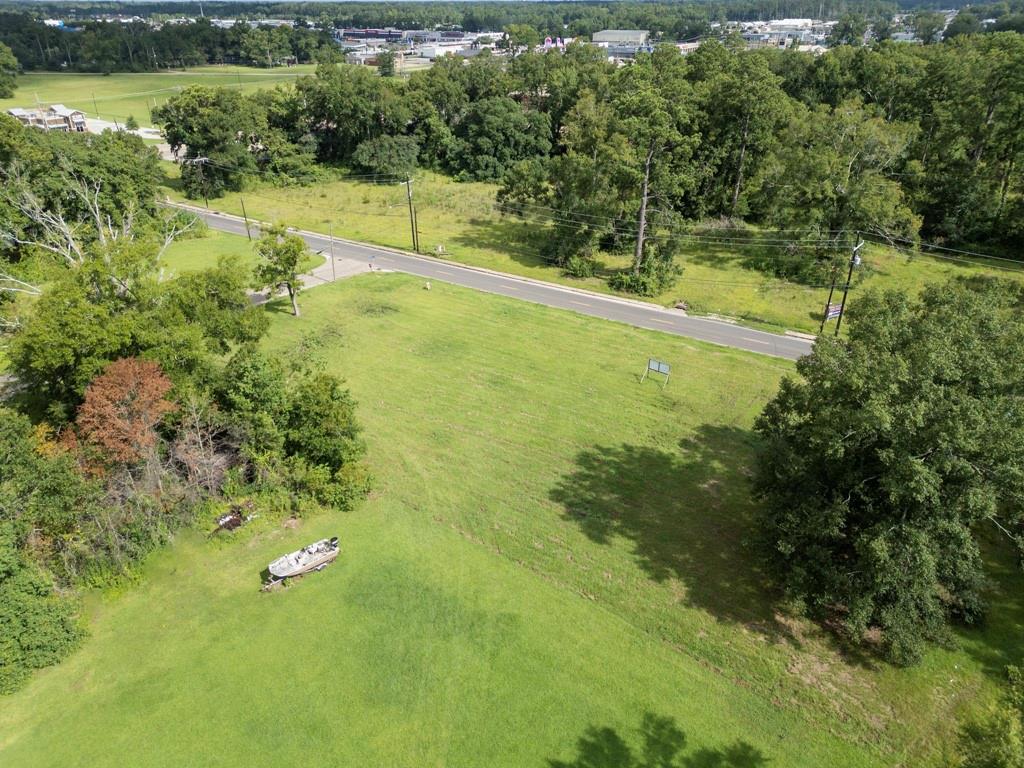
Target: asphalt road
(639, 314)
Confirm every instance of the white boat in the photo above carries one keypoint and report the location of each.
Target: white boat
(310, 558)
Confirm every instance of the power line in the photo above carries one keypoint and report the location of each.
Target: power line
(971, 262)
(574, 220)
(935, 246)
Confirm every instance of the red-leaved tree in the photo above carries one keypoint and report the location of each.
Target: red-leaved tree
(122, 408)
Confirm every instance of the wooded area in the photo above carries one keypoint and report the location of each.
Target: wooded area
(895, 142)
(126, 417)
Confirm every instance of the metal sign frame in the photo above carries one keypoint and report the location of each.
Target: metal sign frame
(657, 366)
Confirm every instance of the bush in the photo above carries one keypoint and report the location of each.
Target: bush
(299, 429)
(37, 627)
(41, 498)
(655, 277)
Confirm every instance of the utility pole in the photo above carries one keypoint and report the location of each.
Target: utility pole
(330, 231)
(854, 261)
(199, 162)
(416, 226)
(244, 216)
(412, 216)
(828, 302)
(95, 106)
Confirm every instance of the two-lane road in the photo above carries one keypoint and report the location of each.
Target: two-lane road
(640, 314)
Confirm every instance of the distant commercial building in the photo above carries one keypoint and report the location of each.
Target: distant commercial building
(783, 33)
(622, 53)
(436, 50)
(229, 23)
(439, 35)
(621, 37)
(388, 34)
(56, 117)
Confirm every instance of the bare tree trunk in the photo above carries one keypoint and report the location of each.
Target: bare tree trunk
(1004, 185)
(739, 170)
(638, 254)
(293, 294)
(979, 148)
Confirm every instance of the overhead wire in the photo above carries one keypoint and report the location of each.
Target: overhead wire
(575, 220)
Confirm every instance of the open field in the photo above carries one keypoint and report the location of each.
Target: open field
(551, 549)
(115, 97)
(723, 278)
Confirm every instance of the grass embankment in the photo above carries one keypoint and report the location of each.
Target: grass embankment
(115, 97)
(719, 278)
(551, 547)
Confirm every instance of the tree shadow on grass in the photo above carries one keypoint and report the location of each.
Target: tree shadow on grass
(995, 643)
(520, 241)
(515, 239)
(688, 514)
(662, 744)
(280, 305)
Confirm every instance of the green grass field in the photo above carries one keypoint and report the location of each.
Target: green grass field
(203, 252)
(115, 97)
(553, 566)
(717, 278)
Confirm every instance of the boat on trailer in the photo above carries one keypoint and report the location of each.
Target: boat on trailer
(314, 557)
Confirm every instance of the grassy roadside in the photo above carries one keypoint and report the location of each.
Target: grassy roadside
(197, 253)
(458, 219)
(551, 547)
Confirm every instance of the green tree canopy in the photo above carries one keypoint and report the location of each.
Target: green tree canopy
(495, 134)
(8, 72)
(388, 155)
(212, 125)
(838, 172)
(928, 26)
(964, 23)
(280, 254)
(849, 30)
(521, 37)
(386, 63)
(891, 454)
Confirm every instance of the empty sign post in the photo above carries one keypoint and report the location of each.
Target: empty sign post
(657, 366)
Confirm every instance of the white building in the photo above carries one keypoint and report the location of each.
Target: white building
(56, 117)
(621, 37)
(436, 50)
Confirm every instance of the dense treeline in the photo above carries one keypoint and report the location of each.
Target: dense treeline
(137, 46)
(138, 399)
(895, 141)
(552, 18)
(99, 46)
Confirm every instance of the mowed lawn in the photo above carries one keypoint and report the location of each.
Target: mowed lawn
(204, 252)
(459, 220)
(553, 566)
(116, 97)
